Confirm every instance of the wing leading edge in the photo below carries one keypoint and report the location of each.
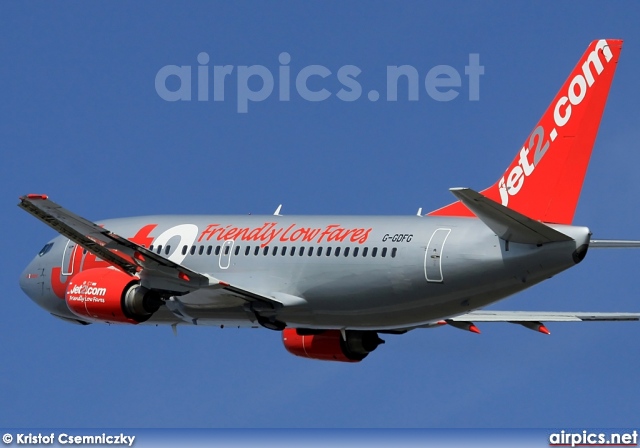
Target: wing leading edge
(156, 271)
(508, 224)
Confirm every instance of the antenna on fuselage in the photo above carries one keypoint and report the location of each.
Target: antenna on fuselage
(277, 212)
(419, 212)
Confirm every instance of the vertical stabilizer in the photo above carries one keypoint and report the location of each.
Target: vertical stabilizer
(544, 180)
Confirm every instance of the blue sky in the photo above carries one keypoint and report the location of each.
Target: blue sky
(83, 123)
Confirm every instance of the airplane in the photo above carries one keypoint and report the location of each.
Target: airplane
(333, 284)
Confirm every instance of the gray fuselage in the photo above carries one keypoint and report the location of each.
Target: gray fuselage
(351, 272)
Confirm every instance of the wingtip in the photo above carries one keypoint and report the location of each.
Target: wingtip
(33, 196)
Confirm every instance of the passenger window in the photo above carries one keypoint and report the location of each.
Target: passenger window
(284, 251)
(201, 250)
(167, 249)
(364, 251)
(328, 251)
(355, 251)
(293, 251)
(337, 251)
(184, 250)
(151, 248)
(266, 250)
(209, 249)
(301, 253)
(310, 251)
(384, 252)
(159, 249)
(393, 252)
(217, 250)
(374, 251)
(319, 251)
(193, 250)
(257, 251)
(275, 251)
(237, 250)
(246, 251)
(346, 251)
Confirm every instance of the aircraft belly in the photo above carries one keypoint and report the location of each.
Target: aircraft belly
(229, 318)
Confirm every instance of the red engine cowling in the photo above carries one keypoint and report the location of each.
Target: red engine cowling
(329, 345)
(109, 295)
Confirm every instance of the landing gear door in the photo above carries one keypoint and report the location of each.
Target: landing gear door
(225, 254)
(433, 256)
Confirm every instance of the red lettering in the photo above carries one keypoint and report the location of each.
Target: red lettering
(365, 236)
(269, 232)
(346, 234)
(284, 235)
(208, 231)
(299, 233)
(264, 235)
(327, 231)
(311, 234)
(274, 233)
(220, 232)
(335, 235)
(229, 234)
(242, 234)
(357, 233)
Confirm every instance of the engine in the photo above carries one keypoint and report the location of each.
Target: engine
(110, 295)
(330, 345)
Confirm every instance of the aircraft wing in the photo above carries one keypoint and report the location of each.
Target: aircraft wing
(548, 316)
(529, 319)
(156, 271)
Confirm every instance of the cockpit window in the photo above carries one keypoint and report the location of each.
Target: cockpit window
(47, 247)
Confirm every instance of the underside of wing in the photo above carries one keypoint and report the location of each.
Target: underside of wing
(547, 316)
(155, 271)
(533, 320)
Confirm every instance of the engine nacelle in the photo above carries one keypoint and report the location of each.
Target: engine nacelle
(110, 295)
(329, 345)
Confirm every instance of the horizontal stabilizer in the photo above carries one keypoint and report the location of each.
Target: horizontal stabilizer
(614, 244)
(506, 223)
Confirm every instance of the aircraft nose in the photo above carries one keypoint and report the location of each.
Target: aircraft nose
(29, 280)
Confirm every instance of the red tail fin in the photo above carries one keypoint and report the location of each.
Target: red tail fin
(544, 180)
